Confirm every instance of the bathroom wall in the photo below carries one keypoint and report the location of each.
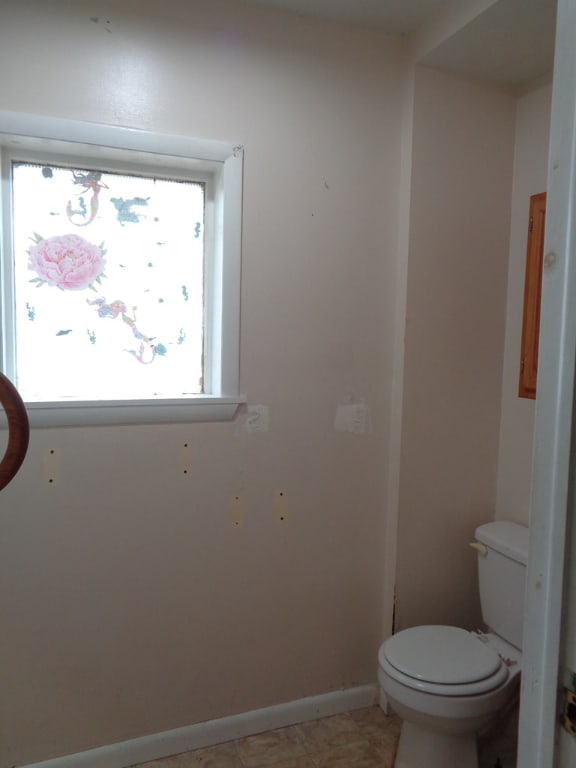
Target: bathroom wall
(517, 420)
(129, 604)
(463, 134)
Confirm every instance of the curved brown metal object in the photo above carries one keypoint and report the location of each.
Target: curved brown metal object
(18, 431)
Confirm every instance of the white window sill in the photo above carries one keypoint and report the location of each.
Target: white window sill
(93, 413)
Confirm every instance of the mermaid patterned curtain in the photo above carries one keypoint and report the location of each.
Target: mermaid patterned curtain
(108, 282)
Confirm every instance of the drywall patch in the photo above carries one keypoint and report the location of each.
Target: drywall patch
(186, 458)
(352, 417)
(51, 466)
(281, 506)
(256, 419)
(236, 511)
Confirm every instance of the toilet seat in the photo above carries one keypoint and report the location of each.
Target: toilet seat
(443, 660)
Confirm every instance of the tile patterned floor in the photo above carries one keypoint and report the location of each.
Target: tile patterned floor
(365, 738)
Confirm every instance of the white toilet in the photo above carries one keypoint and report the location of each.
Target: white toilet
(446, 683)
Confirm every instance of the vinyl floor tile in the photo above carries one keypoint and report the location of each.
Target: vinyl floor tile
(297, 762)
(359, 755)
(270, 748)
(219, 756)
(336, 731)
(384, 739)
(365, 738)
(372, 715)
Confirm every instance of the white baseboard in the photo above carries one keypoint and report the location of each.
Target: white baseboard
(158, 745)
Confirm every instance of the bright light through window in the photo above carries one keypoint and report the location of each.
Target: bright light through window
(108, 284)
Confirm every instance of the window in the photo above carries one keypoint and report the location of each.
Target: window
(120, 272)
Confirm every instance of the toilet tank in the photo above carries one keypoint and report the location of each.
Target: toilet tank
(502, 577)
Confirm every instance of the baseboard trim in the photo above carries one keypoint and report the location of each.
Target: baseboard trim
(159, 745)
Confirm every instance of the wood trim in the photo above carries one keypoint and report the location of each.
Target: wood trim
(532, 292)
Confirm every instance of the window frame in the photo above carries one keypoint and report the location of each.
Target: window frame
(219, 162)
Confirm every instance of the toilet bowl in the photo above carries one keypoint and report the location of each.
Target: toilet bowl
(448, 684)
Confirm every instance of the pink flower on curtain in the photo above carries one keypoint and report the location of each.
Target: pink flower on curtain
(67, 261)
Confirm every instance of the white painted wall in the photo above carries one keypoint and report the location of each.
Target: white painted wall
(517, 421)
(463, 133)
(128, 602)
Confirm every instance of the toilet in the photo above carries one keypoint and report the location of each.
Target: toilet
(448, 684)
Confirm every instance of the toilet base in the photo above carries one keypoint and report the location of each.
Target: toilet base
(422, 748)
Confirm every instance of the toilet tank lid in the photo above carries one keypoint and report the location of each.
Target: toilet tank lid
(510, 539)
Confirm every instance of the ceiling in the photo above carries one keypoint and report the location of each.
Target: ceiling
(511, 42)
